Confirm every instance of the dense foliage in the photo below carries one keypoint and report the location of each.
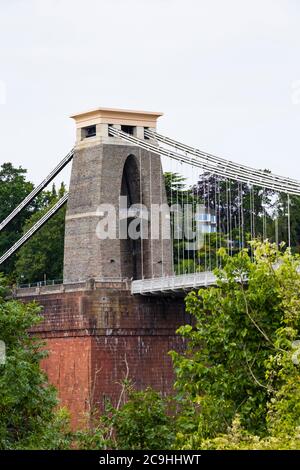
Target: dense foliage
(42, 257)
(238, 382)
(13, 189)
(238, 368)
(141, 421)
(27, 401)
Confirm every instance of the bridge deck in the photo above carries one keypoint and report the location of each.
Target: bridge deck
(159, 285)
(176, 284)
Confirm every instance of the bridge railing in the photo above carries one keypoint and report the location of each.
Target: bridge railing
(173, 283)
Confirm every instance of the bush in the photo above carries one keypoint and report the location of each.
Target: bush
(142, 422)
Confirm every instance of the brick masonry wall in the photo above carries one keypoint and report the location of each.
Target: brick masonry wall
(93, 335)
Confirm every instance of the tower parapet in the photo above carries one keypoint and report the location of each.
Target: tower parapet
(92, 126)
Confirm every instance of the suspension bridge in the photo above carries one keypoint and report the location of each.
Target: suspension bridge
(120, 153)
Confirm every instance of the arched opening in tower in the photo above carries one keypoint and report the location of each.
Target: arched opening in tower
(131, 248)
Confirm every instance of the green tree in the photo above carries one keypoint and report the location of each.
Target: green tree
(238, 369)
(42, 255)
(179, 194)
(289, 207)
(237, 205)
(176, 188)
(27, 401)
(242, 212)
(141, 421)
(13, 189)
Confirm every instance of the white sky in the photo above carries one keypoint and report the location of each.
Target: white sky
(225, 73)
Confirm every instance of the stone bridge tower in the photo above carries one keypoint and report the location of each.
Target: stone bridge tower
(105, 168)
(97, 332)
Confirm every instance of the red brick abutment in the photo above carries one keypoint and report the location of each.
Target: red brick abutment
(97, 334)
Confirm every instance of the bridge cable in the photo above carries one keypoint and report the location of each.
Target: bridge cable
(162, 217)
(251, 217)
(239, 215)
(38, 189)
(242, 216)
(178, 224)
(204, 223)
(220, 216)
(216, 220)
(210, 222)
(250, 211)
(34, 228)
(278, 183)
(276, 224)
(261, 176)
(264, 201)
(183, 221)
(207, 165)
(198, 225)
(151, 215)
(194, 228)
(230, 219)
(187, 216)
(254, 212)
(141, 216)
(289, 220)
(172, 215)
(227, 214)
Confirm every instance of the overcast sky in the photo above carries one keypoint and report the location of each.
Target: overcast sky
(225, 73)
